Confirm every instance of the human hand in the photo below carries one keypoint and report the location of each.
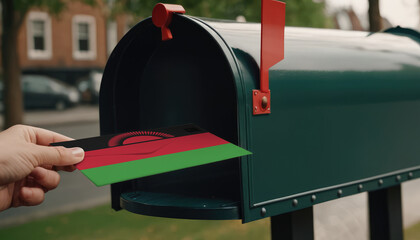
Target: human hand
(28, 165)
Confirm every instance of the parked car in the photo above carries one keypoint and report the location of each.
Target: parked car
(44, 92)
(89, 87)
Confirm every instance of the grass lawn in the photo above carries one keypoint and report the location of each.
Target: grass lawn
(104, 223)
(411, 233)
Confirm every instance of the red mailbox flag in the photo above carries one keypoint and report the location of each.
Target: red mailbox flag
(273, 15)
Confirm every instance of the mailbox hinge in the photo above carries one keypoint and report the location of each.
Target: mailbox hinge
(261, 102)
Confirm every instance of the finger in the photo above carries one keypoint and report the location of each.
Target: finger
(70, 168)
(31, 196)
(48, 166)
(46, 178)
(58, 156)
(45, 137)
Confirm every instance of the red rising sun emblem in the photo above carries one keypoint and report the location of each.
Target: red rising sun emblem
(137, 137)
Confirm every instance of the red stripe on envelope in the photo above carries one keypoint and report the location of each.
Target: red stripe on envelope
(137, 151)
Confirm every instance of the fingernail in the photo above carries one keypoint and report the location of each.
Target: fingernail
(77, 152)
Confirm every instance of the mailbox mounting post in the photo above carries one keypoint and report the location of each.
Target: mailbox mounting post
(272, 51)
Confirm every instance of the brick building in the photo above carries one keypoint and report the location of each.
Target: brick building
(69, 45)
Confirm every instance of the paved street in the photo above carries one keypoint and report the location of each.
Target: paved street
(345, 218)
(73, 116)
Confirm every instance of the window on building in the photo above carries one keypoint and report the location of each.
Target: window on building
(84, 37)
(39, 35)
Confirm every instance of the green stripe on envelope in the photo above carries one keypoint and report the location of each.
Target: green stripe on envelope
(150, 166)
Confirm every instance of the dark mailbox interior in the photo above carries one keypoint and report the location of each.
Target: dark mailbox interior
(149, 83)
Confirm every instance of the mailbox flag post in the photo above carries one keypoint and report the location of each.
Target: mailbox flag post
(273, 15)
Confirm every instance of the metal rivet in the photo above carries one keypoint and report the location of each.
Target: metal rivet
(295, 202)
(255, 93)
(264, 102)
(360, 187)
(380, 182)
(339, 192)
(268, 109)
(410, 175)
(398, 178)
(263, 212)
(256, 109)
(313, 198)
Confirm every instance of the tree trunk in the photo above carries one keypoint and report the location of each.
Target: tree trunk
(355, 22)
(375, 19)
(12, 92)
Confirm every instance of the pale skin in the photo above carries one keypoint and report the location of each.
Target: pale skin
(28, 166)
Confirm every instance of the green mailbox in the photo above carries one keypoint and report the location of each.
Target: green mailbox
(345, 115)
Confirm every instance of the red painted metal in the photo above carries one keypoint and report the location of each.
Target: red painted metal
(162, 17)
(257, 99)
(272, 49)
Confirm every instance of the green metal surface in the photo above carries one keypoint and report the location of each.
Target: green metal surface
(345, 111)
(179, 206)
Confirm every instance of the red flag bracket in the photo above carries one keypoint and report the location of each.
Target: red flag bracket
(162, 17)
(272, 51)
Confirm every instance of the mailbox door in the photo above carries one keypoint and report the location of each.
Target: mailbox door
(193, 78)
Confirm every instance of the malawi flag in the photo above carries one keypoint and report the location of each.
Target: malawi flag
(116, 158)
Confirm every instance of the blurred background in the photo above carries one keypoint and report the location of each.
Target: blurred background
(52, 57)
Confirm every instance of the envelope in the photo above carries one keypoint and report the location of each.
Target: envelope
(120, 157)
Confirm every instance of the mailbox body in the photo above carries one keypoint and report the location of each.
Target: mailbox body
(345, 110)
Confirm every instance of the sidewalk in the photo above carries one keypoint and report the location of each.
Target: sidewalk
(82, 113)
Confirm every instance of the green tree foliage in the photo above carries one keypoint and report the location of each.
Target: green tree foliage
(298, 12)
(306, 13)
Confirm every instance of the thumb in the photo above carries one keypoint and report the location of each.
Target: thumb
(59, 156)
